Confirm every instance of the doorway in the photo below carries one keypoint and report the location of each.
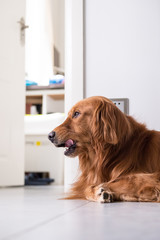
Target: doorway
(45, 89)
(12, 83)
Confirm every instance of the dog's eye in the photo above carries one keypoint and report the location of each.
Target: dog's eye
(75, 114)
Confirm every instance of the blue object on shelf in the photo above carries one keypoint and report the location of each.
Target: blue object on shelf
(56, 79)
(30, 83)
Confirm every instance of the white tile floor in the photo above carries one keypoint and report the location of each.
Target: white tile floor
(36, 213)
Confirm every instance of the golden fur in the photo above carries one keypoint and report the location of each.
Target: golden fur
(119, 158)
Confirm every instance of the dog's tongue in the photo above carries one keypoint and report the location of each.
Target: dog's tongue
(69, 143)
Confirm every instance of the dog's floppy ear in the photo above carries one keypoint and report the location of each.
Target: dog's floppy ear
(104, 127)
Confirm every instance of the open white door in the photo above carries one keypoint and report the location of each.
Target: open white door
(12, 93)
(74, 85)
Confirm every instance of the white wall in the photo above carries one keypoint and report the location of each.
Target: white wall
(123, 54)
(39, 41)
(58, 25)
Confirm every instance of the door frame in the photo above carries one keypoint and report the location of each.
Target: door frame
(74, 69)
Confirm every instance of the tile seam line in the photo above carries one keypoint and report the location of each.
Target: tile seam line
(36, 226)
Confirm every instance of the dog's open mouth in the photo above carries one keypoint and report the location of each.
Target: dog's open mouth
(70, 147)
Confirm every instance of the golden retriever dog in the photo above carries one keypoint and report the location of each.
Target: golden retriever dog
(119, 158)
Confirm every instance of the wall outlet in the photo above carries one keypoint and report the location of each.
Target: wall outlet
(122, 104)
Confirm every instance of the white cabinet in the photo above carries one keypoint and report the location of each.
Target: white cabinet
(41, 156)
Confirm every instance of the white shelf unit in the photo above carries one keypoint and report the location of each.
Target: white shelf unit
(52, 100)
(40, 154)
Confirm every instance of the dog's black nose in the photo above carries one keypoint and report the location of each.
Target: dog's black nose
(51, 136)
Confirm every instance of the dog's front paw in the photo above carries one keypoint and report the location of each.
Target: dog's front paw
(103, 196)
(99, 193)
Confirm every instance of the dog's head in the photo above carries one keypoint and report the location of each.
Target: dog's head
(91, 122)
